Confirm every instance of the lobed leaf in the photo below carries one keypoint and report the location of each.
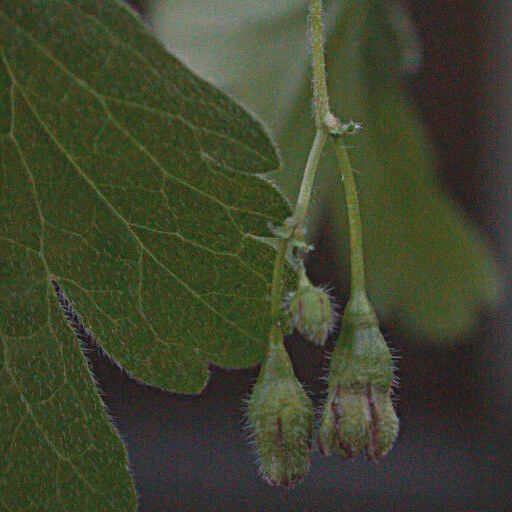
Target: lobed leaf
(140, 189)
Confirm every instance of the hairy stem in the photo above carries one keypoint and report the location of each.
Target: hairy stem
(320, 94)
(296, 223)
(321, 105)
(326, 123)
(354, 219)
(301, 208)
(276, 294)
(325, 120)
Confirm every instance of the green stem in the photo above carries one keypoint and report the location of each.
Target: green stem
(322, 118)
(320, 94)
(276, 293)
(354, 219)
(297, 222)
(302, 205)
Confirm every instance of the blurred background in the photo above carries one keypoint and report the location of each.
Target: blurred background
(454, 452)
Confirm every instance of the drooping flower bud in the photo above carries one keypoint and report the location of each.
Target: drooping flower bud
(311, 310)
(359, 413)
(280, 416)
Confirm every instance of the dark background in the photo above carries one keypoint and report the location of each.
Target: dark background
(454, 452)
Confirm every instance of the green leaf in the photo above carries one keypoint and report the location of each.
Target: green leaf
(425, 262)
(139, 188)
(59, 450)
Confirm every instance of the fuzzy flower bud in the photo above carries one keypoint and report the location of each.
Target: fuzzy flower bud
(359, 413)
(280, 416)
(311, 310)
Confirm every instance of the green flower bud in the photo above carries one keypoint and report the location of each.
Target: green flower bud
(359, 413)
(311, 310)
(280, 416)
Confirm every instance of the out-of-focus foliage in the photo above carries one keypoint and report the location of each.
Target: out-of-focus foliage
(425, 262)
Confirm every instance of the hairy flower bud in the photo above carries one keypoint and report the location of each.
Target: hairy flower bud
(311, 310)
(280, 416)
(359, 413)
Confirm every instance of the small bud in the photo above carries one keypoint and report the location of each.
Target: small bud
(359, 413)
(280, 415)
(311, 310)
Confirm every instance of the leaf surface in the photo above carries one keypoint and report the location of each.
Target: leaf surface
(139, 188)
(425, 262)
